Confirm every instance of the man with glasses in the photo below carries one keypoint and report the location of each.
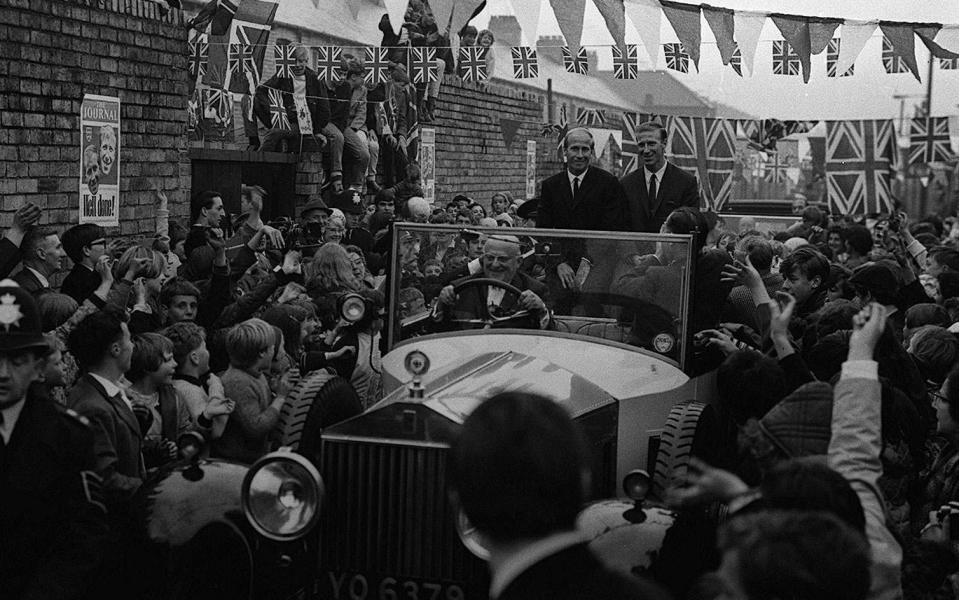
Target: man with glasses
(500, 261)
(84, 244)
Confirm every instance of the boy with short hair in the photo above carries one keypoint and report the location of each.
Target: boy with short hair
(179, 299)
(199, 389)
(250, 348)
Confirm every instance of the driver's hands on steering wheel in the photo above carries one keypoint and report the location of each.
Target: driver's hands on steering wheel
(531, 302)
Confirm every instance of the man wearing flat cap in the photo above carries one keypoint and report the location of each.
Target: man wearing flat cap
(53, 525)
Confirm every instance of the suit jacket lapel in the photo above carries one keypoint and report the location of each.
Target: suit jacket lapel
(124, 411)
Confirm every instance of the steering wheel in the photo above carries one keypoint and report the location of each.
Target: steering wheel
(485, 319)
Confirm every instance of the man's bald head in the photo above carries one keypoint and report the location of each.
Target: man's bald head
(579, 134)
(501, 257)
(508, 244)
(418, 209)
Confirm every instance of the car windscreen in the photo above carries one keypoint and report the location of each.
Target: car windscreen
(630, 288)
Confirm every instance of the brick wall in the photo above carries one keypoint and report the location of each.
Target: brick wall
(52, 52)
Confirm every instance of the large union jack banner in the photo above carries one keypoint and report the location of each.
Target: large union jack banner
(625, 66)
(525, 62)
(575, 63)
(705, 147)
(929, 140)
(858, 163)
(249, 27)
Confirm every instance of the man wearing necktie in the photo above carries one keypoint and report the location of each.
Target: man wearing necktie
(53, 524)
(659, 187)
(583, 196)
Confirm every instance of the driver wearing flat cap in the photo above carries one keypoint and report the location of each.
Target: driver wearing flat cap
(53, 527)
(498, 292)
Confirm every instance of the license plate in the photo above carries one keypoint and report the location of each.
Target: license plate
(361, 586)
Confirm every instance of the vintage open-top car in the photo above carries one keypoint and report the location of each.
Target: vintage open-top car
(613, 352)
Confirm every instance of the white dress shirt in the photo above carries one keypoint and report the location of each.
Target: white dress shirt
(659, 177)
(571, 177)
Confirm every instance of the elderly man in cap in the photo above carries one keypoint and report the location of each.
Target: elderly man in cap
(500, 262)
(313, 218)
(53, 527)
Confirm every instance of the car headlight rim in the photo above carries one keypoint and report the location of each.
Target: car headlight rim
(302, 485)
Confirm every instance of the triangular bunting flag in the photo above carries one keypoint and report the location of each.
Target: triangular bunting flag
(442, 12)
(749, 26)
(948, 38)
(854, 36)
(614, 13)
(795, 30)
(354, 6)
(902, 40)
(508, 127)
(396, 9)
(569, 15)
(722, 24)
(527, 15)
(927, 35)
(685, 21)
(647, 17)
(821, 32)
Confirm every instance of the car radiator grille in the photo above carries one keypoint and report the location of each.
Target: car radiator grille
(387, 512)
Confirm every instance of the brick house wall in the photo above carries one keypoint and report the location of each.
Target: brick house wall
(52, 52)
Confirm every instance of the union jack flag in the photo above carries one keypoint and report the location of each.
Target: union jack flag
(676, 57)
(199, 57)
(525, 63)
(423, 61)
(590, 117)
(949, 64)
(776, 168)
(625, 66)
(377, 65)
(251, 26)
(218, 106)
(241, 60)
(858, 164)
(785, 59)
(705, 147)
(284, 60)
(832, 57)
(326, 61)
(929, 140)
(890, 62)
(736, 62)
(575, 63)
(278, 117)
(472, 64)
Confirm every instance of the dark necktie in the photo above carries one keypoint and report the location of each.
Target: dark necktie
(575, 187)
(652, 187)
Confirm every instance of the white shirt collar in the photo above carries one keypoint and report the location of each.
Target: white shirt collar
(112, 389)
(10, 417)
(571, 177)
(659, 174)
(515, 563)
(39, 276)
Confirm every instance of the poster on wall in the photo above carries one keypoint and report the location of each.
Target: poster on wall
(428, 163)
(100, 160)
(530, 169)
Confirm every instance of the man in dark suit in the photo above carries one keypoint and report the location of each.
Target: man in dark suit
(102, 347)
(519, 471)
(500, 261)
(84, 244)
(658, 188)
(52, 520)
(581, 197)
(42, 257)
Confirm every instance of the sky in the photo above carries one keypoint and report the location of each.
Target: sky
(869, 93)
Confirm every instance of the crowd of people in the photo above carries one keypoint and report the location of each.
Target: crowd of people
(833, 442)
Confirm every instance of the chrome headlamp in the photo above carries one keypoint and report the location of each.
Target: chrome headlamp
(282, 496)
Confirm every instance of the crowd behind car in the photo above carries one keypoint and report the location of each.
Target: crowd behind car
(838, 378)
